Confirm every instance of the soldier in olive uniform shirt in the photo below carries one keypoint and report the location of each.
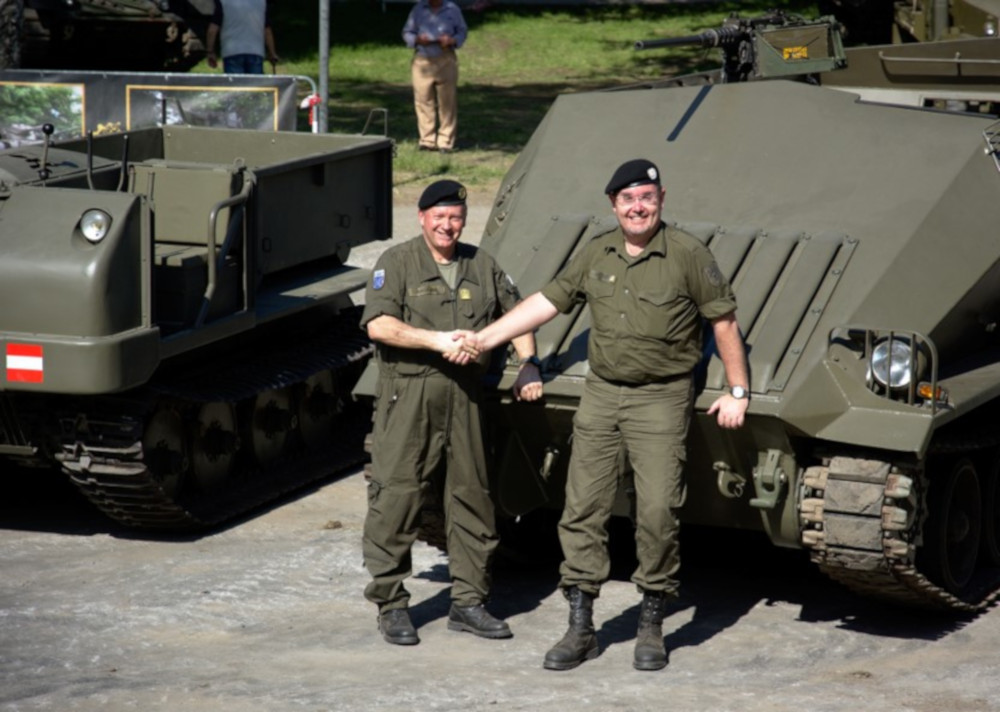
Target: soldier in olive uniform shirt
(425, 296)
(648, 287)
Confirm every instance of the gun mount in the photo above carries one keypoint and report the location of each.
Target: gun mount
(773, 45)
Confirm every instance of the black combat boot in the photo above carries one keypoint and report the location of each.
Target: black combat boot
(580, 642)
(396, 627)
(478, 621)
(649, 651)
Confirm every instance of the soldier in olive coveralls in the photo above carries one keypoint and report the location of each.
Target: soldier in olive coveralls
(425, 295)
(648, 287)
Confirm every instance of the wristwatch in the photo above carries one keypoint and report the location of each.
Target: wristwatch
(739, 392)
(534, 361)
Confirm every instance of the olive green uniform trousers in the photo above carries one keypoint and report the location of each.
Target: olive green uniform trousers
(425, 425)
(651, 422)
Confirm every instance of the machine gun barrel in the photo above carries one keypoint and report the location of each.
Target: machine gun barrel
(708, 38)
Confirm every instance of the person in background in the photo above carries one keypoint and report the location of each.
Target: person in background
(434, 30)
(245, 32)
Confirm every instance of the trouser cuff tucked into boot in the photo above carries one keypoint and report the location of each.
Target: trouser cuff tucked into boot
(650, 653)
(580, 642)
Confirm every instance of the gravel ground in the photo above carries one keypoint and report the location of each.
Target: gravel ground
(268, 614)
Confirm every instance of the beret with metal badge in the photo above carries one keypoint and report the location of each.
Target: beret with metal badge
(638, 171)
(442, 192)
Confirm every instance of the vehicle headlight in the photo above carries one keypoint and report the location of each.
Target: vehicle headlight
(892, 361)
(94, 225)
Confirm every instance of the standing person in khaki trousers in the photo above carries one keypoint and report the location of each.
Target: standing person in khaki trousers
(434, 30)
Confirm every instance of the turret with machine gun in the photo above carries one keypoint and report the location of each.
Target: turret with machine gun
(773, 45)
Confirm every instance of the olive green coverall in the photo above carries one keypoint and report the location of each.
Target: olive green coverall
(427, 417)
(645, 340)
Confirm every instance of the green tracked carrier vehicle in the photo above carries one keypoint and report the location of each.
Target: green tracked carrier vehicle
(862, 241)
(124, 35)
(178, 331)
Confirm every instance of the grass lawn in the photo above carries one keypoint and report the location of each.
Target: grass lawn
(516, 60)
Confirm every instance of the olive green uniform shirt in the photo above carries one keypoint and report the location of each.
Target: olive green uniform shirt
(408, 285)
(645, 311)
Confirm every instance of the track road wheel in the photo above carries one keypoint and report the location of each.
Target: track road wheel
(272, 421)
(991, 511)
(319, 405)
(214, 444)
(165, 450)
(953, 528)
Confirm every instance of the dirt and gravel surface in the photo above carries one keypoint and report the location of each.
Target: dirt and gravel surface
(267, 613)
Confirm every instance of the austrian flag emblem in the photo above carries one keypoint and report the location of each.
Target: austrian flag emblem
(24, 363)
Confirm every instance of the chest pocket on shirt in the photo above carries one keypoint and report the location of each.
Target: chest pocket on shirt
(427, 304)
(475, 306)
(427, 290)
(600, 285)
(658, 310)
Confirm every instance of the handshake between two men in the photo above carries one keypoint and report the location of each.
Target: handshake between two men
(463, 347)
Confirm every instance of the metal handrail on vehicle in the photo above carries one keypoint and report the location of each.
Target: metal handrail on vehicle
(238, 199)
(956, 61)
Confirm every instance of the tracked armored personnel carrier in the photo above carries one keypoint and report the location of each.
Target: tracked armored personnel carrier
(853, 202)
(123, 35)
(178, 332)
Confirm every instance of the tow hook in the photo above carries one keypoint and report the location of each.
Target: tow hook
(769, 481)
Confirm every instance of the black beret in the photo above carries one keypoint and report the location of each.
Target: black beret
(638, 171)
(442, 192)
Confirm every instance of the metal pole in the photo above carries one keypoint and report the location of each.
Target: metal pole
(324, 64)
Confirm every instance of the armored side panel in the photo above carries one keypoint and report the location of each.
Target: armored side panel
(297, 199)
(951, 75)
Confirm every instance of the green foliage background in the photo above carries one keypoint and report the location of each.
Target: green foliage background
(517, 59)
(24, 103)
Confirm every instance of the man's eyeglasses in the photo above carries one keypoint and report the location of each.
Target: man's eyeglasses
(650, 200)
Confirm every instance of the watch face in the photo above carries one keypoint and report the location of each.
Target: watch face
(738, 392)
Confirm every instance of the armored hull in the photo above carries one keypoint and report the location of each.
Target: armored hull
(849, 229)
(185, 341)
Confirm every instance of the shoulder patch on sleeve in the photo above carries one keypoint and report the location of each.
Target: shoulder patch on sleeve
(378, 279)
(714, 275)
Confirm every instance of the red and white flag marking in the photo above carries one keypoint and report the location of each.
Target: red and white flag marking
(25, 364)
